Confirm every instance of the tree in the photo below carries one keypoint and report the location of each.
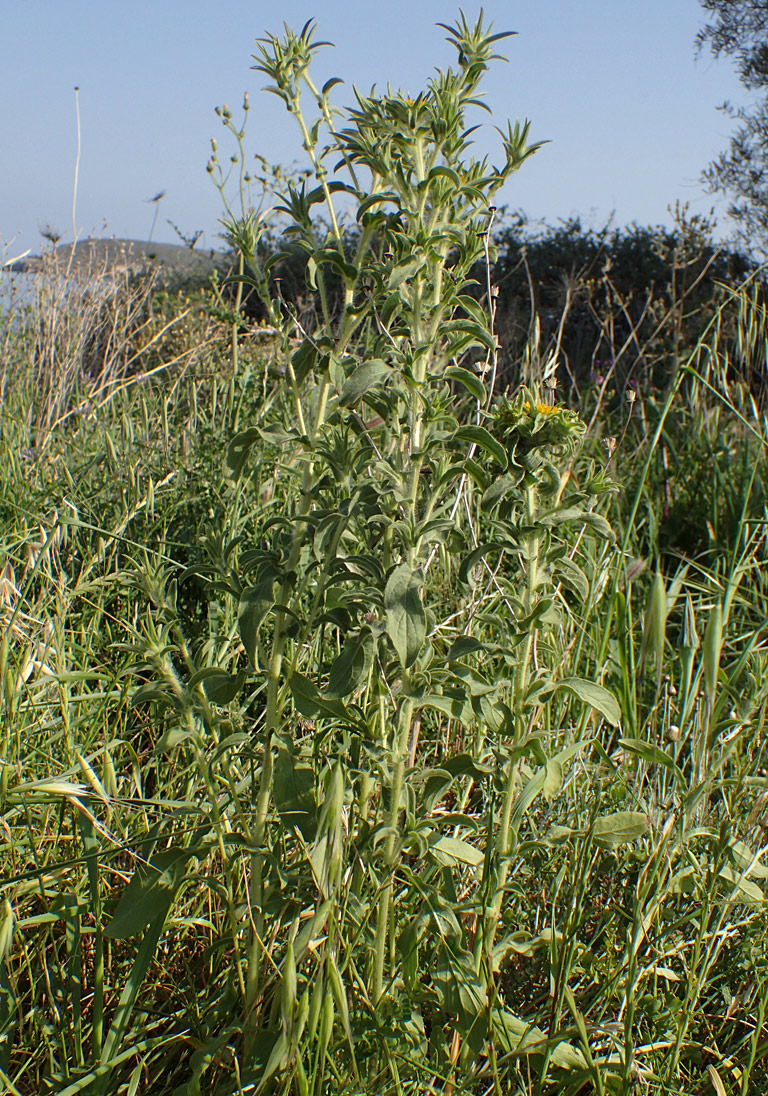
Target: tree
(739, 29)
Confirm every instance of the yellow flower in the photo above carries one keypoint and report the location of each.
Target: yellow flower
(525, 423)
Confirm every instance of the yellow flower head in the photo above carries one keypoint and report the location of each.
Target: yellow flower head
(525, 424)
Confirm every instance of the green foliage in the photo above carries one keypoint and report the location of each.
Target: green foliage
(615, 306)
(344, 746)
(739, 29)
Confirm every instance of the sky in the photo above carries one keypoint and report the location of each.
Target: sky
(614, 86)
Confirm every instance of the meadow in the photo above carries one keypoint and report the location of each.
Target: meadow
(384, 658)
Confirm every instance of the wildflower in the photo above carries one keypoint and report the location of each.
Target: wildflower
(526, 423)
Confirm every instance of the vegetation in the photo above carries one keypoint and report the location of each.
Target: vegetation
(739, 29)
(382, 704)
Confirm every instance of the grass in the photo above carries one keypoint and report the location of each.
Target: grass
(322, 776)
(620, 959)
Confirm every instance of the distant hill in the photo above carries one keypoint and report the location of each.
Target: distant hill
(135, 255)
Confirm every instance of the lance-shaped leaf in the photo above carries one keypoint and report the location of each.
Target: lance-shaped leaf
(255, 603)
(150, 893)
(471, 381)
(452, 850)
(482, 438)
(238, 450)
(594, 695)
(349, 669)
(220, 687)
(406, 619)
(293, 787)
(619, 828)
(361, 379)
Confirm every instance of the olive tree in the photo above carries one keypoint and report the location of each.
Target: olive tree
(739, 29)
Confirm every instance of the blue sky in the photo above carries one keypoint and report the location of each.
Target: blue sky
(613, 85)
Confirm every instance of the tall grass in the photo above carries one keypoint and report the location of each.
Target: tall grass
(403, 738)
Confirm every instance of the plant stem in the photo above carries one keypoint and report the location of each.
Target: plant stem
(532, 551)
(390, 849)
(271, 724)
(532, 545)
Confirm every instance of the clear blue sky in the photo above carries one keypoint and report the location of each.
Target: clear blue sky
(613, 85)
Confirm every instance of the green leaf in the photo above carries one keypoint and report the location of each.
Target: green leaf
(599, 525)
(469, 678)
(466, 765)
(255, 603)
(149, 894)
(574, 513)
(520, 1037)
(330, 256)
(374, 200)
(401, 272)
(653, 755)
(334, 80)
(477, 473)
(220, 687)
(553, 781)
(390, 306)
(293, 788)
(744, 889)
(745, 859)
(500, 488)
(482, 438)
(561, 514)
(454, 704)
(363, 378)
(452, 850)
(303, 360)
(572, 576)
(238, 450)
(471, 381)
(463, 645)
(474, 557)
(349, 669)
(444, 172)
(408, 946)
(340, 995)
(311, 703)
(406, 619)
(595, 696)
(468, 333)
(525, 798)
(461, 993)
(619, 828)
(713, 642)
(473, 309)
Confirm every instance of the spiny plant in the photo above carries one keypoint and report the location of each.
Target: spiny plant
(368, 821)
(406, 481)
